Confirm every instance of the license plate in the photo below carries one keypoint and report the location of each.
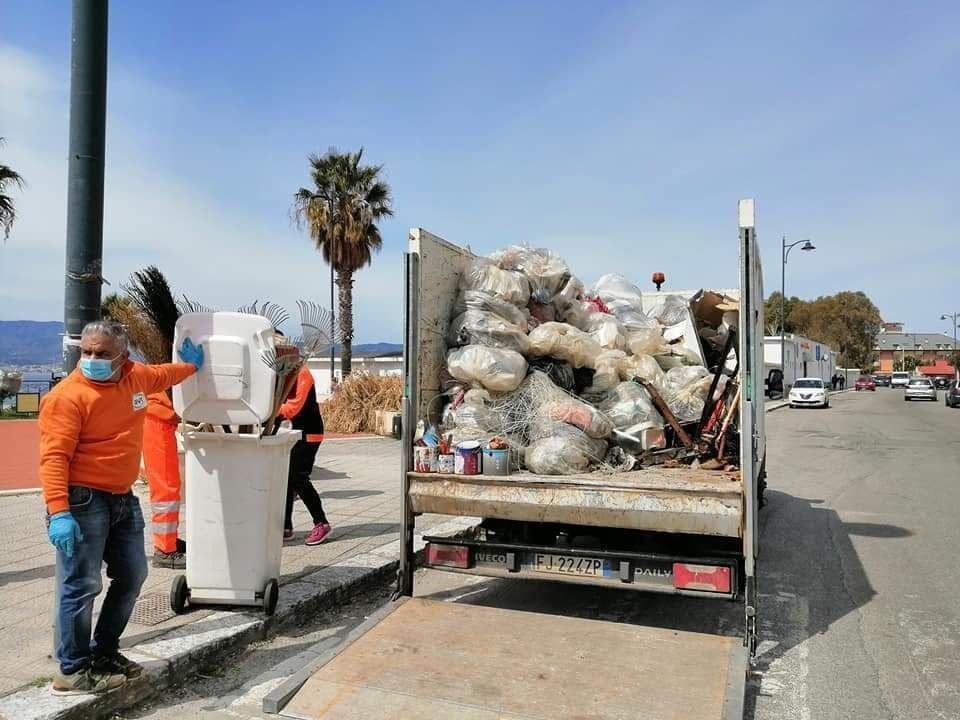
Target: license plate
(569, 565)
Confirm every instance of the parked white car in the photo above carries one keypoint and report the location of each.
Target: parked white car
(809, 392)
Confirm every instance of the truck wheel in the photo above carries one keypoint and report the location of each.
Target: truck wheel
(179, 594)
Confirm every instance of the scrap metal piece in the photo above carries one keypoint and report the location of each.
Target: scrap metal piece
(664, 410)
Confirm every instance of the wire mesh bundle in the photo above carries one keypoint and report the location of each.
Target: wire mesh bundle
(359, 399)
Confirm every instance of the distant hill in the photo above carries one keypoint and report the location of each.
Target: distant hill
(26, 342)
(369, 349)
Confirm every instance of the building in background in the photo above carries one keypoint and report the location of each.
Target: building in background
(925, 348)
(896, 327)
(803, 358)
(390, 363)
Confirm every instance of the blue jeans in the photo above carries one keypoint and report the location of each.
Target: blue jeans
(112, 527)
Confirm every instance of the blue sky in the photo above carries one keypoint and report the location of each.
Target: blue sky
(619, 134)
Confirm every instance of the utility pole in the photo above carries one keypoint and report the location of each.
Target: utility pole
(88, 114)
(954, 317)
(784, 254)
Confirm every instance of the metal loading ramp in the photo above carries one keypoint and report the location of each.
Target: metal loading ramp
(430, 660)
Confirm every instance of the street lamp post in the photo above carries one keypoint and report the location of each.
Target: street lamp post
(953, 317)
(784, 254)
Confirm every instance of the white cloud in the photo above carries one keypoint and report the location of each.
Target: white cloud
(221, 254)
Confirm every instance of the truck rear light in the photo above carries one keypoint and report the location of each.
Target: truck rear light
(456, 556)
(709, 578)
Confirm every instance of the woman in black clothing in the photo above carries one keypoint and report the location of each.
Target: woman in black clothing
(303, 411)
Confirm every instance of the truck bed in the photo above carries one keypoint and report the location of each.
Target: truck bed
(427, 660)
(661, 499)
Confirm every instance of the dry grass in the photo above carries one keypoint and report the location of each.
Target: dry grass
(359, 399)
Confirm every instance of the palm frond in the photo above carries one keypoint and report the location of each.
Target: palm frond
(9, 178)
(150, 293)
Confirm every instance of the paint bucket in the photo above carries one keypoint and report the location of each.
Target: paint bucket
(446, 463)
(425, 459)
(467, 461)
(496, 461)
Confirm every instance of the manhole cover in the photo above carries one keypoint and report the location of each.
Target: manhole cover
(152, 609)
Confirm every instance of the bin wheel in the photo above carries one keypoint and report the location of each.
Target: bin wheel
(270, 595)
(179, 594)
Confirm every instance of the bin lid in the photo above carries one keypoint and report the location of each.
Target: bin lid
(235, 386)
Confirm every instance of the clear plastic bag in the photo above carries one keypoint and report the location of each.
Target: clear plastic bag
(607, 375)
(643, 366)
(629, 404)
(564, 342)
(647, 342)
(606, 330)
(567, 302)
(573, 411)
(679, 377)
(545, 269)
(615, 287)
(485, 302)
(473, 411)
(687, 403)
(476, 327)
(495, 369)
(667, 308)
(483, 275)
(567, 451)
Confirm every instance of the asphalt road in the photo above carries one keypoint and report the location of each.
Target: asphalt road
(859, 577)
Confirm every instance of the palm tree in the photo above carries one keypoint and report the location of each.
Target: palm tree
(341, 214)
(8, 179)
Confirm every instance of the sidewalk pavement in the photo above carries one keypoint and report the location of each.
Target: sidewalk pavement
(358, 479)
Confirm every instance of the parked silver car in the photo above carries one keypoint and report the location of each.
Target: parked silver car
(920, 388)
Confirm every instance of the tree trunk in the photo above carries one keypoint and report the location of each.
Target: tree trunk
(345, 301)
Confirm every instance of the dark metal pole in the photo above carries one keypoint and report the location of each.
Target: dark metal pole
(783, 309)
(333, 327)
(88, 110)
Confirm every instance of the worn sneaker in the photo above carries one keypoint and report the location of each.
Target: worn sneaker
(86, 682)
(318, 534)
(173, 561)
(287, 534)
(117, 664)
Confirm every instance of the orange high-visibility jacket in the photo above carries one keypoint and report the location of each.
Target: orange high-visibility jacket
(91, 433)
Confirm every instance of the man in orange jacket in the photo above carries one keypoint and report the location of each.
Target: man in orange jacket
(91, 436)
(162, 465)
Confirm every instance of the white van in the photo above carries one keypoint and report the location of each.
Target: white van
(899, 379)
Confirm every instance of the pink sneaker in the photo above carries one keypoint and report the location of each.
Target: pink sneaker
(318, 534)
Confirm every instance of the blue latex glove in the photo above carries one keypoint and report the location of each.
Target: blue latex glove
(64, 533)
(191, 353)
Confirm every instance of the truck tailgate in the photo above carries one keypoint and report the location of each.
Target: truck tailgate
(430, 659)
(661, 499)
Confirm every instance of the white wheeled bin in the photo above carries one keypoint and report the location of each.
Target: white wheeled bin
(236, 483)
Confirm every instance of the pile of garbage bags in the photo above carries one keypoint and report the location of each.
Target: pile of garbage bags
(538, 359)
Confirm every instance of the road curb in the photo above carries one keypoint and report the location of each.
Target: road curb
(172, 658)
(20, 491)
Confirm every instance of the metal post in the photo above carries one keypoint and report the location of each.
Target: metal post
(783, 310)
(333, 327)
(88, 109)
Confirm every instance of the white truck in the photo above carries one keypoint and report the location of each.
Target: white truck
(677, 530)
